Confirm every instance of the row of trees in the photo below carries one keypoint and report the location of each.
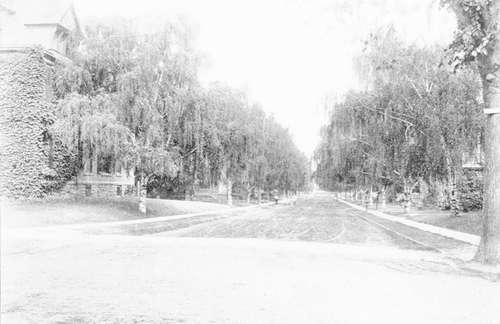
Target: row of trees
(136, 97)
(476, 46)
(411, 129)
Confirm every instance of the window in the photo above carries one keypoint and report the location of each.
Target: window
(88, 190)
(105, 164)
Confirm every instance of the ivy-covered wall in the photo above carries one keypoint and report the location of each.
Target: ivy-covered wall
(26, 112)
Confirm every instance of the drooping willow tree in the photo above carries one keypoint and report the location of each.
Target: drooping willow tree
(120, 93)
(412, 123)
(137, 97)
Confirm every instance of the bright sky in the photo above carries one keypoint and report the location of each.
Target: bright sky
(288, 55)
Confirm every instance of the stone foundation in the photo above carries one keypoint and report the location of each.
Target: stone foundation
(98, 190)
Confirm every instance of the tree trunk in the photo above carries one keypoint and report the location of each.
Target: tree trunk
(370, 198)
(249, 192)
(229, 192)
(406, 197)
(259, 194)
(94, 162)
(142, 195)
(384, 199)
(451, 197)
(489, 248)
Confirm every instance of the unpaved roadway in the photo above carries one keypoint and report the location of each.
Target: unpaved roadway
(315, 262)
(319, 218)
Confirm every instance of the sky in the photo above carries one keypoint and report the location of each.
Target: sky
(289, 55)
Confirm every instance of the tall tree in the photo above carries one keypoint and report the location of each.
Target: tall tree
(404, 129)
(478, 40)
(136, 97)
(124, 97)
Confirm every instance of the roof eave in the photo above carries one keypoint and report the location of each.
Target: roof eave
(6, 9)
(49, 24)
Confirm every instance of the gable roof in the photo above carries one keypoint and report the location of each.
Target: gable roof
(6, 9)
(44, 12)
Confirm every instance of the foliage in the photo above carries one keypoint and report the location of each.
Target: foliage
(478, 41)
(413, 121)
(31, 161)
(473, 37)
(136, 97)
(471, 191)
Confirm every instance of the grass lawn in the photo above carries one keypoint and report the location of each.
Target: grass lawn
(82, 210)
(466, 222)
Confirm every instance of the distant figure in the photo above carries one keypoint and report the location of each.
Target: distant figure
(377, 199)
(275, 196)
(405, 200)
(367, 199)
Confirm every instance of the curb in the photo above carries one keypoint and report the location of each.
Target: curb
(488, 272)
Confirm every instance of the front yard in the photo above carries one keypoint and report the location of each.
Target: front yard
(469, 222)
(74, 210)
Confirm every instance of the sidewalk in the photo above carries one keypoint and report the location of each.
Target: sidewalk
(461, 259)
(406, 220)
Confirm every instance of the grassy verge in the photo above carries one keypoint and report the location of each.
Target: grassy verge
(469, 222)
(466, 222)
(72, 210)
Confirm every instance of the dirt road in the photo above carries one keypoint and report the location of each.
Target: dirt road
(319, 218)
(309, 263)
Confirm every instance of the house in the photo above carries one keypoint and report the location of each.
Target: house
(104, 177)
(52, 25)
(35, 35)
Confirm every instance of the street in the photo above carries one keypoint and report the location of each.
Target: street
(313, 262)
(249, 161)
(320, 218)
